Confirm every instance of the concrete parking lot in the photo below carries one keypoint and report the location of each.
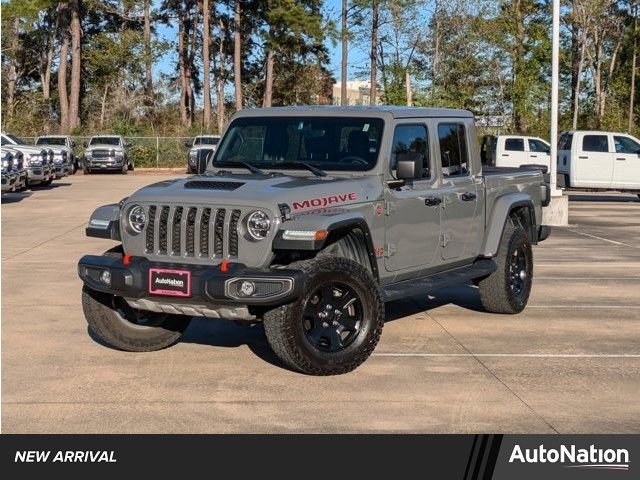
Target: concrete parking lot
(569, 363)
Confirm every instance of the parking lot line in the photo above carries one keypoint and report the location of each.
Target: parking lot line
(586, 279)
(508, 355)
(615, 242)
(583, 306)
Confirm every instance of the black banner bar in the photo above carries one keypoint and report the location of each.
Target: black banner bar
(459, 457)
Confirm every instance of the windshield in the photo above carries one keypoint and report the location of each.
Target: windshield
(105, 141)
(51, 141)
(206, 141)
(327, 143)
(16, 140)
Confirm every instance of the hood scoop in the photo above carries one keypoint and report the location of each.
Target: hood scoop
(212, 185)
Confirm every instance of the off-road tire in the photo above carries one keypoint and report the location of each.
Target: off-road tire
(125, 168)
(496, 292)
(86, 171)
(108, 325)
(284, 325)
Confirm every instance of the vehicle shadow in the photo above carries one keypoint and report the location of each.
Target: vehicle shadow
(15, 197)
(51, 186)
(465, 296)
(215, 332)
(631, 198)
(225, 333)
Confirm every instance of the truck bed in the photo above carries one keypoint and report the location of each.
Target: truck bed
(490, 171)
(501, 181)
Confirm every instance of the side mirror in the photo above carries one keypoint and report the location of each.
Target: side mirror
(409, 166)
(187, 144)
(127, 144)
(201, 161)
(84, 144)
(73, 144)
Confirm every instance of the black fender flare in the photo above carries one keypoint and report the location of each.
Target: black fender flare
(502, 209)
(346, 225)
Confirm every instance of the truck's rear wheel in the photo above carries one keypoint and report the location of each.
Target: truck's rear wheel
(335, 324)
(125, 328)
(507, 290)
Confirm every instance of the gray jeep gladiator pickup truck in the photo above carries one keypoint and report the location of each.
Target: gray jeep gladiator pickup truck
(310, 219)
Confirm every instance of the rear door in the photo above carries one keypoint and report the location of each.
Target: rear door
(413, 216)
(513, 153)
(626, 167)
(594, 165)
(539, 152)
(461, 190)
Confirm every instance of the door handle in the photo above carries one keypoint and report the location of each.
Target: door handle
(583, 158)
(468, 196)
(505, 154)
(534, 156)
(432, 201)
(621, 159)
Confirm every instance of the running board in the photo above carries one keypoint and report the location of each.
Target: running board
(416, 286)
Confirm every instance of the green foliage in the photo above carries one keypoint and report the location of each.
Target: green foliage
(490, 57)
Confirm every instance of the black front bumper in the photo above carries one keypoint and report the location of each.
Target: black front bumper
(209, 284)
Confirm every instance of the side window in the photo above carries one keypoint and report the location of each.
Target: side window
(514, 145)
(453, 149)
(595, 143)
(538, 146)
(4, 141)
(566, 139)
(409, 140)
(626, 145)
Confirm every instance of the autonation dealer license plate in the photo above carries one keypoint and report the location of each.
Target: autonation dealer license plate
(174, 283)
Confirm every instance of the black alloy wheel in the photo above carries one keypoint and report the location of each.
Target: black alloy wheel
(332, 317)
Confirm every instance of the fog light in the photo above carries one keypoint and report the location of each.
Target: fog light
(247, 288)
(105, 277)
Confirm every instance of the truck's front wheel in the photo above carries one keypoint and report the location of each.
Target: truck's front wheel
(335, 324)
(507, 289)
(125, 328)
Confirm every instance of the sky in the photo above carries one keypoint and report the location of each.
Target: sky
(357, 55)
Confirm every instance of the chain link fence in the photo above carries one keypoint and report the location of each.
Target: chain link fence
(146, 152)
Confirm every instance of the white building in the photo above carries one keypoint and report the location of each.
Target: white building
(358, 93)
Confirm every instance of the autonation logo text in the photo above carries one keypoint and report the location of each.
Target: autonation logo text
(573, 457)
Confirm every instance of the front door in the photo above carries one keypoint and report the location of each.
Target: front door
(462, 193)
(626, 167)
(412, 216)
(539, 153)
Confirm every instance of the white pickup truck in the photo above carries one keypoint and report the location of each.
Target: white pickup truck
(599, 160)
(516, 151)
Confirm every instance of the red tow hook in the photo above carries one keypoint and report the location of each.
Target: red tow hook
(224, 266)
(126, 259)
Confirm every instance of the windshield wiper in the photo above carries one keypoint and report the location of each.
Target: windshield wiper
(251, 168)
(316, 171)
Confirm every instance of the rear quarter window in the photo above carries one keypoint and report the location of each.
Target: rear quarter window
(453, 149)
(514, 145)
(595, 143)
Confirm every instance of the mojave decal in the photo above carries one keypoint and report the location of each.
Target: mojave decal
(320, 202)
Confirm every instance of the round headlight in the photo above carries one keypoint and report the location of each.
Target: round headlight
(137, 218)
(258, 225)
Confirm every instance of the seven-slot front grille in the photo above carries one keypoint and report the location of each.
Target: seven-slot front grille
(184, 231)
